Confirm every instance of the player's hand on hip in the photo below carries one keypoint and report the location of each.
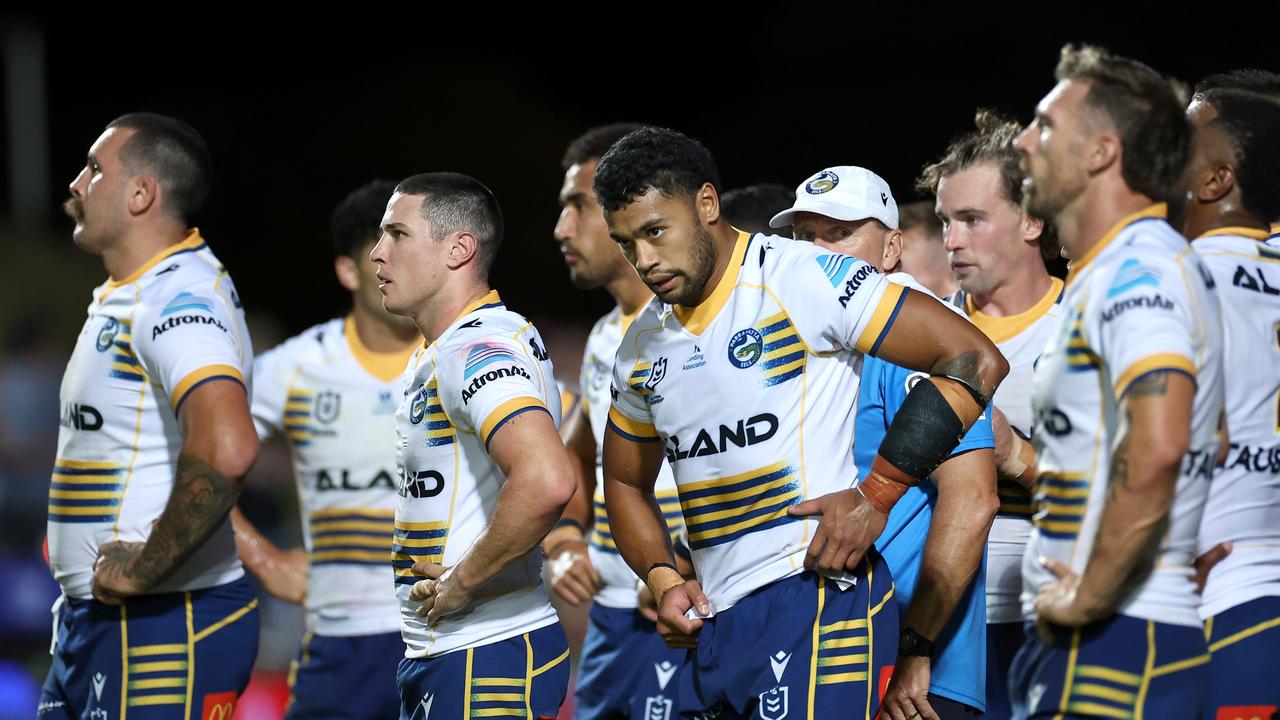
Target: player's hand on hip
(441, 593)
(571, 574)
(676, 628)
(848, 527)
(908, 695)
(1059, 603)
(114, 572)
(1205, 563)
(287, 579)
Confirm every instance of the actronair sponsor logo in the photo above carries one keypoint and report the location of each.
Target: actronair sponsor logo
(180, 320)
(487, 377)
(1151, 302)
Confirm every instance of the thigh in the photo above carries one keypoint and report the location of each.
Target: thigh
(346, 677)
(1244, 646)
(1003, 642)
(523, 676)
(224, 626)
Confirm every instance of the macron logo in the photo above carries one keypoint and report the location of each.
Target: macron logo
(665, 670)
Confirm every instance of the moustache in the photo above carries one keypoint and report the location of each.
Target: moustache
(73, 209)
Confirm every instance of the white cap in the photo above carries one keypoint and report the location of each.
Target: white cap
(843, 193)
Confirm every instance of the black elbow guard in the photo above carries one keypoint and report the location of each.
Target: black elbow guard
(923, 433)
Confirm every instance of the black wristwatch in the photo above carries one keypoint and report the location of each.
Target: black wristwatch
(913, 644)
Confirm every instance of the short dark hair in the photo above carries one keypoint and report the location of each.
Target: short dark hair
(1251, 79)
(653, 158)
(920, 215)
(1147, 110)
(452, 202)
(990, 142)
(752, 207)
(594, 143)
(356, 220)
(1252, 122)
(175, 153)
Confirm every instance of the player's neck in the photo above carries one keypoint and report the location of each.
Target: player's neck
(723, 238)
(439, 312)
(381, 335)
(1229, 215)
(123, 257)
(1025, 288)
(1088, 219)
(628, 290)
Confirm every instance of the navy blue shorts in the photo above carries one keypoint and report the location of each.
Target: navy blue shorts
(798, 648)
(183, 654)
(625, 671)
(346, 678)
(1118, 668)
(526, 676)
(1244, 669)
(1003, 642)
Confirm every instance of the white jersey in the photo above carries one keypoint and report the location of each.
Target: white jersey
(1020, 339)
(1140, 301)
(753, 395)
(335, 402)
(1244, 499)
(150, 340)
(488, 366)
(619, 589)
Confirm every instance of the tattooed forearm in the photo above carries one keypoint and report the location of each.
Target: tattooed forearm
(200, 501)
(1119, 477)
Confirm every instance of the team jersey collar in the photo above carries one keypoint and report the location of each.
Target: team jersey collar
(1237, 231)
(386, 366)
(1158, 210)
(488, 300)
(192, 241)
(697, 319)
(1000, 329)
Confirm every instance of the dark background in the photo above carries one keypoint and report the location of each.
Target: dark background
(299, 112)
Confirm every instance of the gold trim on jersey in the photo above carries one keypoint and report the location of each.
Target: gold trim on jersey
(668, 503)
(506, 411)
(1158, 210)
(1000, 329)
(719, 510)
(386, 366)
(1062, 500)
(634, 430)
(881, 318)
(1152, 363)
(416, 542)
(85, 491)
(297, 416)
(1237, 231)
(696, 319)
(351, 536)
(192, 241)
(204, 374)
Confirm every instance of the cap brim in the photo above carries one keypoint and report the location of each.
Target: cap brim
(832, 210)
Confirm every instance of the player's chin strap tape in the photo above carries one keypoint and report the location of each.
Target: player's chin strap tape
(922, 435)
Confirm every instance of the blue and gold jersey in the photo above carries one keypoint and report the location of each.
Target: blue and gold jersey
(335, 400)
(1140, 301)
(619, 589)
(487, 367)
(150, 340)
(752, 395)
(1244, 500)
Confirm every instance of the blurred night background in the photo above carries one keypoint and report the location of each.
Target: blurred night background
(300, 111)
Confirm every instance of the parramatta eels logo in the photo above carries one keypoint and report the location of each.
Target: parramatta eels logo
(824, 181)
(745, 348)
(107, 334)
(418, 408)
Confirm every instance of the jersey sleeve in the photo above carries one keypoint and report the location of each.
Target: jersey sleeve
(188, 337)
(490, 380)
(272, 371)
(629, 413)
(1142, 323)
(837, 301)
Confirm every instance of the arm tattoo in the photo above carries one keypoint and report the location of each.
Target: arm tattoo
(200, 501)
(1150, 385)
(1119, 475)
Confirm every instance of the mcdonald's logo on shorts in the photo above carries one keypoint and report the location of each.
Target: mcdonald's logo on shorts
(218, 706)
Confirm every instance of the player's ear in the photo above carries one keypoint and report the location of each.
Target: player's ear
(1104, 150)
(347, 272)
(892, 250)
(143, 192)
(1215, 183)
(1032, 228)
(707, 203)
(463, 246)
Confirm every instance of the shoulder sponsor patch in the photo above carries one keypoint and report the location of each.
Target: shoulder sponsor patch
(1133, 274)
(187, 302)
(482, 355)
(835, 267)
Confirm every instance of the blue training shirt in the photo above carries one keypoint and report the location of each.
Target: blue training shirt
(959, 669)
